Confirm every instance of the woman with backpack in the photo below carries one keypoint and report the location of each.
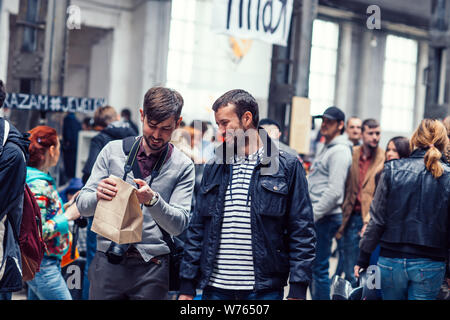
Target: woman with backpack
(409, 219)
(44, 149)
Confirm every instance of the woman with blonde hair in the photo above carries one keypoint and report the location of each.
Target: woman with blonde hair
(446, 123)
(410, 219)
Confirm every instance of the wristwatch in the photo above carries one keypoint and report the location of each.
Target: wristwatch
(151, 203)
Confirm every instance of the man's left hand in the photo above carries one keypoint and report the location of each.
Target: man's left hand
(363, 229)
(144, 193)
(357, 269)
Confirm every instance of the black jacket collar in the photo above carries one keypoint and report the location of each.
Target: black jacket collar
(420, 153)
(269, 160)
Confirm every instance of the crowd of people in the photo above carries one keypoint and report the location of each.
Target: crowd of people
(249, 218)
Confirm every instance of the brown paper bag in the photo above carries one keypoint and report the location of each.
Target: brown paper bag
(119, 220)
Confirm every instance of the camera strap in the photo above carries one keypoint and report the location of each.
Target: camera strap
(130, 147)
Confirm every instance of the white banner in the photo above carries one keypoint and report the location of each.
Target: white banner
(266, 20)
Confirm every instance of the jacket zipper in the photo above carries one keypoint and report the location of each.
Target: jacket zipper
(252, 221)
(217, 234)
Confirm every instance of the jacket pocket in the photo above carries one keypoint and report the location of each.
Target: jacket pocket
(208, 199)
(272, 197)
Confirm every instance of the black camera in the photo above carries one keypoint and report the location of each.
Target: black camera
(81, 222)
(116, 252)
(77, 224)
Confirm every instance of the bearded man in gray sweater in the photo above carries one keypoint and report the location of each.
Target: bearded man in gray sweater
(143, 269)
(326, 184)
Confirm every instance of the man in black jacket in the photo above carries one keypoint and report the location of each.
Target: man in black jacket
(13, 158)
(71, 128)
(253, 223)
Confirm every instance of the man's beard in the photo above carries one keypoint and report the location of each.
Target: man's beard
(147, 140)
(373, 148)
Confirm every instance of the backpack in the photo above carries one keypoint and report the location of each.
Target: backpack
(130, 146)
(31, 243)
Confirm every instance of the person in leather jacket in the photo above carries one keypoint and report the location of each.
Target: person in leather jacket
(253, 225)
(410, 219)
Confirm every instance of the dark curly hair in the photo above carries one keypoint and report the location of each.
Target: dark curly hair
(161, 103)
(242, 100)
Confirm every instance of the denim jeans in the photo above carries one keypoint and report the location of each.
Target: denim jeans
(410, 279)
(91, 249)
(340, 261)
(6, 296)
(350, 246)
(326, 228)
(48, 284)
(211, 293)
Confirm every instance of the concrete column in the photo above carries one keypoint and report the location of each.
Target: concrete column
(156, 45)
(439, 26)
(343, 69)
(370, 85)
(8, 7)
(303, 47)
(100, 71)
(1, 11)
(420, 93)
(139, 54)
(125, 60)
(54, 52)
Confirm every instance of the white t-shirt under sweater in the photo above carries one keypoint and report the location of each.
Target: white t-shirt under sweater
(233, 265)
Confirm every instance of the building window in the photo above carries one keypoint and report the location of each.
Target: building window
(30, 33)
(399, 84)
(322, 70)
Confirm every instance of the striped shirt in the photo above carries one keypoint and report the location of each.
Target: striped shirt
(233, 265)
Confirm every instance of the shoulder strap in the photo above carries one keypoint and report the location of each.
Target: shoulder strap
(127, 144)
(5, 136)
(130, 146)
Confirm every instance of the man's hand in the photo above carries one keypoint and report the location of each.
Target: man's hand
(357, 269)
(72, 201)
(185, 297)
(144, 193)
(72, 213)
(363, 229)
(106, 189)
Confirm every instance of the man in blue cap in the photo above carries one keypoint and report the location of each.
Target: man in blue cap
(326, 186)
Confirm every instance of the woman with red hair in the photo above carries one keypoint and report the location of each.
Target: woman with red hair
(49, 283)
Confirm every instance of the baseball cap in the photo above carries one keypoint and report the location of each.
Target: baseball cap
(268, 121)
(333, 113)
